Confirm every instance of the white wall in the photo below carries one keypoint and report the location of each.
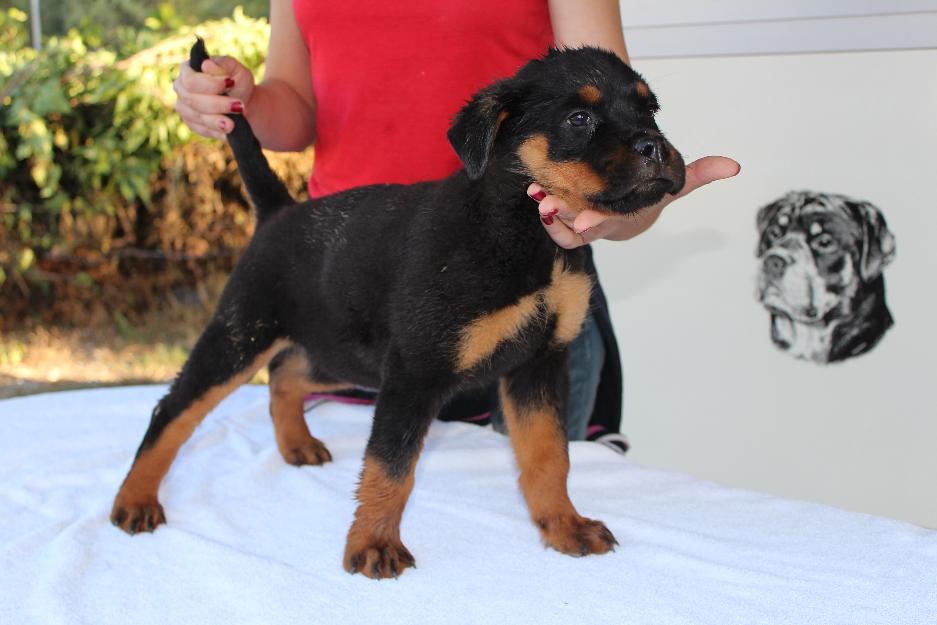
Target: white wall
(690, 28)
(706, 391)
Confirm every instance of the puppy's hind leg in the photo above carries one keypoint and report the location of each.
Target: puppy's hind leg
(292, 377)
(225, 356)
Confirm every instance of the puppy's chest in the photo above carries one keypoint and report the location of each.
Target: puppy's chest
(553, 314)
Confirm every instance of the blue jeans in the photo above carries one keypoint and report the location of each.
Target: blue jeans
(586, 357)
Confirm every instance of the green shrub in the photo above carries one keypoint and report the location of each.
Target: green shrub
(102, 21)
(107, 200)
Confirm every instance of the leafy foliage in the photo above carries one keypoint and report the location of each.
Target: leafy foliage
(107, 22)
(100, 179)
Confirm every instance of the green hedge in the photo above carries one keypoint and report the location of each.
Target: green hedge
(107, 200)
(106, 21)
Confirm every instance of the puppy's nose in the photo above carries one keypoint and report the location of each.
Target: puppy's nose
(650, 147)
(775, 266)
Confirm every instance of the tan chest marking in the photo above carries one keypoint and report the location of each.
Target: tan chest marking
(481, 337)
(567, 297)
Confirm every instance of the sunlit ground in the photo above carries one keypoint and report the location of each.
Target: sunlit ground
(149, 351)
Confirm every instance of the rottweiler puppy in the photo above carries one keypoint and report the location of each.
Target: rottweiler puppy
(424, 290)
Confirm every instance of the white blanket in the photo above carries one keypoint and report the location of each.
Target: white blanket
(251, 539)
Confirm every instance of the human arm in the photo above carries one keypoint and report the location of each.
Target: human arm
(281, 109)
(588, 22)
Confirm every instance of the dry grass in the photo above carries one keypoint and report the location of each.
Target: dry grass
(145, 351)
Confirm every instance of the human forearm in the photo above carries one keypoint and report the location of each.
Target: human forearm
(281, 118)
(588, 22)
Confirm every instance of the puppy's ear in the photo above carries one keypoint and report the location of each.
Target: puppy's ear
(878, 243)
(475, 127)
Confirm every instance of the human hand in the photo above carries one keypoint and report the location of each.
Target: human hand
(570, 229)
(203, 99)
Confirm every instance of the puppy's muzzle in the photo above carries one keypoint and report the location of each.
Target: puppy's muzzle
(663, 164)
(645, 169)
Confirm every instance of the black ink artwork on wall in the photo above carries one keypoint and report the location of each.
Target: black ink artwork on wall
(821, 280)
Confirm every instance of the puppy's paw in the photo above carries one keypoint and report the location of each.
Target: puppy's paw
(576, 536)
(378, 559)
(312, 451)
(138, 516)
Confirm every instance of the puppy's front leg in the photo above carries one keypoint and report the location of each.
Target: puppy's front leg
(533, 399)
(402, 416)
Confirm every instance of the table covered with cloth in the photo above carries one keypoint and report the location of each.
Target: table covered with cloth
(251, 539)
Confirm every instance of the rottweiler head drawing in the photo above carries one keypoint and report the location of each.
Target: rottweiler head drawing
(822, 257)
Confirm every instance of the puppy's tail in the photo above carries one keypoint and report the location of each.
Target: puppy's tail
(267, 191)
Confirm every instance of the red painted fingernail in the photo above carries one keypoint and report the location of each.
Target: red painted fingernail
(553, 212)
(237, 107)
(539, 195)
(547, 220)
(228, 83)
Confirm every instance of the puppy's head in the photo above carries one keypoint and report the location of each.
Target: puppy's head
(817, 251)
(580, 122)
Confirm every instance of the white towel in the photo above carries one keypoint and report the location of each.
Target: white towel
(251, 539)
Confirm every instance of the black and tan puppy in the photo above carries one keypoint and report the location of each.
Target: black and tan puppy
(821, 274)
(423, 290)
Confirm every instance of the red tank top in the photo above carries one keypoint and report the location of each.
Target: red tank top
(388, 77)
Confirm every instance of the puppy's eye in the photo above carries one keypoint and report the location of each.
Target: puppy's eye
(824, 243)
(775, 231)
(579, 119)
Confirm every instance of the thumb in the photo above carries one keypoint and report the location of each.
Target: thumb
(708, 169)
(222, 66)
(588, 219)
(227, 67)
